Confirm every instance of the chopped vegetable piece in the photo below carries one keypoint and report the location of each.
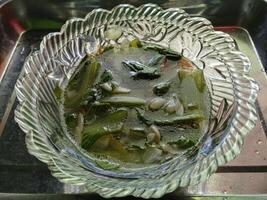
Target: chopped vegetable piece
(166, 148)
(58, 93)
(100, 108)
(109, 124)
(106, 86)
(154, 135)
(141, 71)
(171, 55)
(180, 119)
(174, 57)
(158, 59)
(198, 76)
(168, 120)
(135, 43)
(154, 129)
(156, 103)
(174, 106)
(135, 138)
(137, 132)
(183, 73)
(150, 138)
(87, 80)
(117, 89)
(71, 120)
(106, 76)
(120, 90)
(183, 143)
(161, 88)
(124, 101)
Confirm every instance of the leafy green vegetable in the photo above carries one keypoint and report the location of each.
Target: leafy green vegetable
(135, 43)
(199, 79)
(124, 101)
(74, 98)
(141, 71)
(106, 76)
(183, 73)
(71, 120)
(161, 88)
(171, 55)
(168, 120)
(196, 74)
(137, 132)
(75, 80)
(120, 90)
(58, 93)
(108, 124)
(135, 138)
(183, 143)
(98, 108)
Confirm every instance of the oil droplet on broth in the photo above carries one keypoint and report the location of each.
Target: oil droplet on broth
(259, 142)
(257, 152)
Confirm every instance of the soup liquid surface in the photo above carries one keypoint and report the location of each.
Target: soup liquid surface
(135, 140)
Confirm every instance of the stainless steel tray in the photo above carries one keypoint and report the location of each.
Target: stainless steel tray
(23, 174)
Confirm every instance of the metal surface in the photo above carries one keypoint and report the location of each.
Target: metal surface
(22, 173)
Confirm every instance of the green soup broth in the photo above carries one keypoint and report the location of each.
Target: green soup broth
(136, 105)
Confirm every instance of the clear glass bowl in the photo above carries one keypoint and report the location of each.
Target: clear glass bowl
(232, 96)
